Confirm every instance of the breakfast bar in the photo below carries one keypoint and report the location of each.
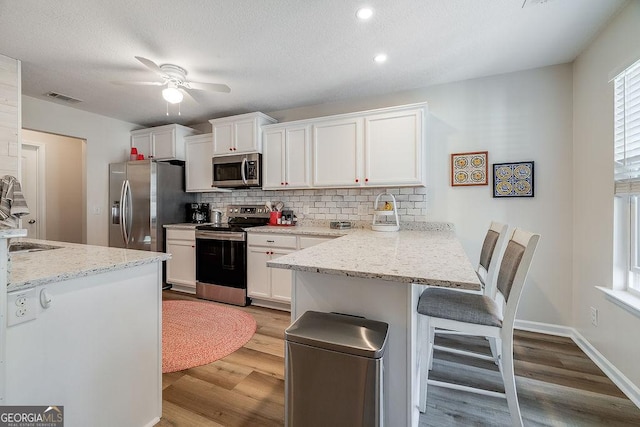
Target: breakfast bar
(380, 276)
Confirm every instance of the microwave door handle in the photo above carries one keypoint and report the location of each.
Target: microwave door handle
(243, 168)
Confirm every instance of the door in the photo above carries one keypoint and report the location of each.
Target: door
(163, 144)
(117, 177)
(393, 148)
(273, 160)
(245, 136)
(298, 158)
(198, 171)
(258, 277)
(281, 279)
(337, 153)
(222, 138)
(140, 179)
(33, 160)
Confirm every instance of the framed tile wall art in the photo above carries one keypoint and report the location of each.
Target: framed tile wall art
(469, 168)
(513, 179)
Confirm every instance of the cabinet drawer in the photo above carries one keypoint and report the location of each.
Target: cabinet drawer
(272, 240)
(308, 241)
(174, 234)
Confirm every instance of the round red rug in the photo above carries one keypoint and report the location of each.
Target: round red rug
(196, 333)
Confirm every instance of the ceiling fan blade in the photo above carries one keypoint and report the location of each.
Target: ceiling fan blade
(190, 96)
(214, 87)
(152, 66)
(139, 83)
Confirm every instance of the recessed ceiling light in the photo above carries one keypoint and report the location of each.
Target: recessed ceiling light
(364, 13)
(380, 58)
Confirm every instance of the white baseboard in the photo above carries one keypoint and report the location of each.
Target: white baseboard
(628, 388)
(153, 422)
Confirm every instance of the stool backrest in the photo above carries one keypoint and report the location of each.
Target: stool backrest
(514, 269)
(490, 255)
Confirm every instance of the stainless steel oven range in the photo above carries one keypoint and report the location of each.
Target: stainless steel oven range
(221, 255)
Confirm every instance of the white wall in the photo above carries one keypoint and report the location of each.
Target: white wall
(107, 142)
(516, 117)
(617, 335)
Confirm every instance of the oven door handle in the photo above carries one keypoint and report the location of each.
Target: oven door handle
(224, 236)
(243, 168)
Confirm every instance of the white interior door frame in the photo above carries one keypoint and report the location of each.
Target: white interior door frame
(41, 209)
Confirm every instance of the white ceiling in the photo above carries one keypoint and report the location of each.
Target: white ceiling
(280, 54)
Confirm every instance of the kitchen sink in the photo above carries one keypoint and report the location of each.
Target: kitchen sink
(20, 247)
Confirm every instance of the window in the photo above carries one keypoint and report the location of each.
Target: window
(627, 163)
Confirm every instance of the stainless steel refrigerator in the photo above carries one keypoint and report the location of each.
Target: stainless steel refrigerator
(144, 195)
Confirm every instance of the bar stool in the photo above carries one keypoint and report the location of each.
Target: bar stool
(480, 315)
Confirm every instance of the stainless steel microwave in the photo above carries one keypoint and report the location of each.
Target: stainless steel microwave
(238, 171)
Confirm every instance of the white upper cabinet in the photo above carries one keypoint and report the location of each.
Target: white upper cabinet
(161, 142)
(239, 134)
(337, 152)
(198, 170)
(393, 148)
(378, 148)
(286, 157)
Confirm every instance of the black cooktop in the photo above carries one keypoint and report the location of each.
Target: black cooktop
(234, 224)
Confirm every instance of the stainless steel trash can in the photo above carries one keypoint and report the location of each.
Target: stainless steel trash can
(334, 371)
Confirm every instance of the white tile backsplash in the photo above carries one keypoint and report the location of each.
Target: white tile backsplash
(353, 204)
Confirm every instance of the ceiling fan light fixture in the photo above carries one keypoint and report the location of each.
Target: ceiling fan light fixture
(172, 95)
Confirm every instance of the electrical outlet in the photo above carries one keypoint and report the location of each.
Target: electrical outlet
(305, 210)
(594, 316)
(21, 306)
(364, 209)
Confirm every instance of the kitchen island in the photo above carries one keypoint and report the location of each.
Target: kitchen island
(380, 276)
(84, 330)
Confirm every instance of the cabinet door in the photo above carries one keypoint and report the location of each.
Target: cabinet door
(198, 169)
(222, 138)
(181, 268)
(142, 142)
(336, 153)
(394, 148)
(297, 158)
(308, 241)
(246, 136)
(281, 279)
(164, 144)
(273, 160)
(258, 274)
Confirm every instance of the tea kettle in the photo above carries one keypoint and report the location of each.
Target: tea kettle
(216, 216)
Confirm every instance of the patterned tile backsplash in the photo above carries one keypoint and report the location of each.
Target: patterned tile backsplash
(352, 204)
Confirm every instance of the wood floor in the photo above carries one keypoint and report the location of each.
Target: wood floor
(557, 385)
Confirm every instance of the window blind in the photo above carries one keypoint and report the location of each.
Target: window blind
(627, 130)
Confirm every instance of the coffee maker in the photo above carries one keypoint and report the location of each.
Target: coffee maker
(198, 213)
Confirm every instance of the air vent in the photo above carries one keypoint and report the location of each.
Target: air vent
(532, 3)
(61, 97)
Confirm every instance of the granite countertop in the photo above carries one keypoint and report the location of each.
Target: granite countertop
(426, 257)
(302, 230)
(71, 260)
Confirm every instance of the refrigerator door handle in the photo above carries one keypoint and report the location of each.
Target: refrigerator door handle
(125, 205)
(130, 211)
(243, 167)
(122, 207)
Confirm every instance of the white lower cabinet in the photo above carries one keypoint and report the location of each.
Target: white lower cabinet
(181, 268)
(271, 287)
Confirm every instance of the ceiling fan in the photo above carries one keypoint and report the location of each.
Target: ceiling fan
(174, 78)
